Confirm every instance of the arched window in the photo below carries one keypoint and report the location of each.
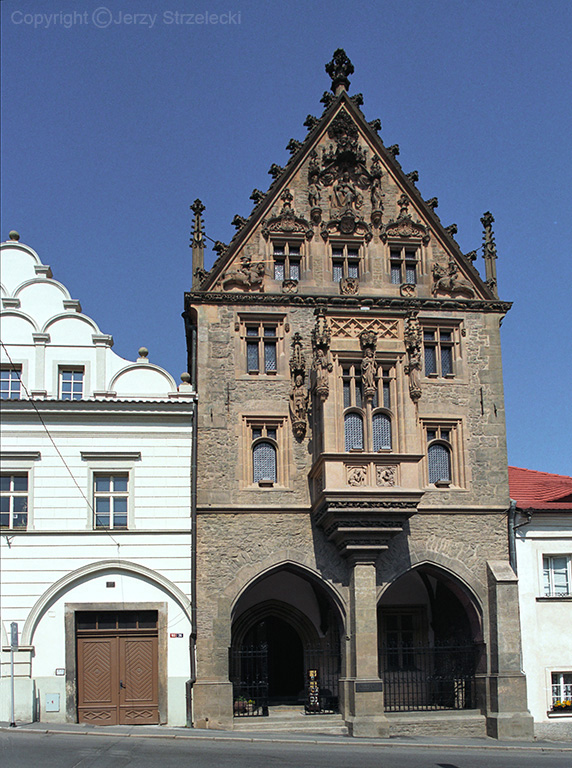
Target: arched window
(353, 428)
(381, 431)
(264, 462)
(439, 460)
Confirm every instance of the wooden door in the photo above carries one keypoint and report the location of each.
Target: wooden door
(138, 690)
(117, 672)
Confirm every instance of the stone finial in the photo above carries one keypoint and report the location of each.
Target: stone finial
(311, 122)
(257, 196)
(413, 176)
(143, 355)
(452, 229)
(238, 222)
(186, 378)
(339, 69)
(275, 170)
(13, 235)
(197, 242)
(433, 203)
(375, 124)
(393, 149)
(489, 252)
(293, 146)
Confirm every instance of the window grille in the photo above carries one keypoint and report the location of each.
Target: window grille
(381, 429)
(439, 459)
(264, 462)
(353, 424)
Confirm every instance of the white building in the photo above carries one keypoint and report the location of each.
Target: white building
(96, 516)
(543, 544)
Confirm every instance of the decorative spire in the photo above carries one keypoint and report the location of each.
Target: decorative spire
(198, 243)
(489, 252)
(339, 69)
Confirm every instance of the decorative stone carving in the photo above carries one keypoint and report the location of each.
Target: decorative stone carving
(257, 196)
(404, 226)
(289, 286)
(452, 229)
(248, 276)
(347, 223)
(311, 122)
(220, 248)
(298, 394)
(238, 222)
(293, 146)
(287, 222)
(408, 290)
(413, 176)
(321, 365)
(471, 256)
(356, 475)
(349, 286)
(357, 99)
(376, 202)
(385, 476)
(449, 282)
(368, 341)
(433, 203)
(339, 69)
(375, 124)
(327, 99)
(412, 338)
(275, 170)
(345, 195)
(393, 150)
(489, 252)
(352, 327)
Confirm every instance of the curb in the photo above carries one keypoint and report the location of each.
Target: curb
(293, 740)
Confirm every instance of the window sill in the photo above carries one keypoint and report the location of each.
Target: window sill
(554, 599)
(564, 713)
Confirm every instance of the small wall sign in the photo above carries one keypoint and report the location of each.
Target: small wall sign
(176, 634)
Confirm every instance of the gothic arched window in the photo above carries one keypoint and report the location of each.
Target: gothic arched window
(381, 431)
(353, 429)
(439, 461)
(264, 462)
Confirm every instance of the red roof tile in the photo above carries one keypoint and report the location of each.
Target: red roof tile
(540, 491)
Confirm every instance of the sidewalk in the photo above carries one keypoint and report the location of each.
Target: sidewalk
(165, 732)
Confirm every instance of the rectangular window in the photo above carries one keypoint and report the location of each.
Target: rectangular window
(262, 347)
(10, 381)
(562, 691)
(287, 258)
(110, 500)
(345, 262)
(438, 344)
(71, 383)
(14, 501)
(403, 266)
(557, 575)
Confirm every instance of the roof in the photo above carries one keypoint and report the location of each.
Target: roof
(540, 491)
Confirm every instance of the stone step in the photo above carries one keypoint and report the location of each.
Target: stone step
(292, 719)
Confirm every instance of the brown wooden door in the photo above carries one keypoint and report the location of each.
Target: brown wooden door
(138, 699)
(98, 680)
(118, 680)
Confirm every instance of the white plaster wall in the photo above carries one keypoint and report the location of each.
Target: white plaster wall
(546, 625)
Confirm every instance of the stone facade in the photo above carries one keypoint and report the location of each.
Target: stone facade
(352, 478)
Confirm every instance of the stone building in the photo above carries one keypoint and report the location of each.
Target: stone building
(95, 520)
(352, 475)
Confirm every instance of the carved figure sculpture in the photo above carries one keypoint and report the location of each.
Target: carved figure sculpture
(385, 476)
(298, 393)
(368, 341)
(345, 193)
(376, 195)
(314, 196)
(321, 365)
(412, 337)
(448, 281)
(356, 475)
(247, 276)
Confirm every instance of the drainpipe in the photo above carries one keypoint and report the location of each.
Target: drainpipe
(512, 528)
(191, 329)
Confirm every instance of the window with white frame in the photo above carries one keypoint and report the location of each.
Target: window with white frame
(403, 265)
(367, 421)
(110, 499)
(562, 691)
(10, 382)
(14, 501)
(557, 575)
(345, 261)
(287, 259)
(71, 383)
(438, 352)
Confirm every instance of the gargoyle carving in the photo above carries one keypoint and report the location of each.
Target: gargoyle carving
(248, 276)
(449, 282)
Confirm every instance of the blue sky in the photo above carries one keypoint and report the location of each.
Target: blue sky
(114, 123)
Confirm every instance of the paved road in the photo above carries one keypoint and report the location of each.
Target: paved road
(40, 750)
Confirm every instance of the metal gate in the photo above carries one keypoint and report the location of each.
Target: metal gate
(249, 677)
(322, 668)
(429, 678)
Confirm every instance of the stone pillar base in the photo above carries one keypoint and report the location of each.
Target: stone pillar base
(510, 725)
(365, 715)
(212, 705)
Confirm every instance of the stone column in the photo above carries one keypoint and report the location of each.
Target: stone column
(507, 713)
(363, 688)
(212, 692)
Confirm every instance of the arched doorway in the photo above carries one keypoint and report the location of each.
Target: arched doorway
(430, 642)
(285, 645)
